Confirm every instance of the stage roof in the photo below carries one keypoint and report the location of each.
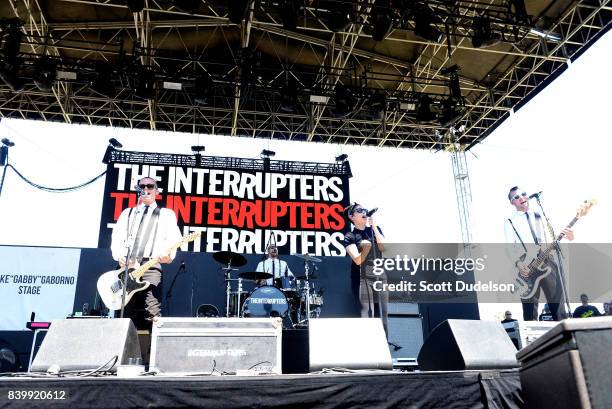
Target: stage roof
(184, 66)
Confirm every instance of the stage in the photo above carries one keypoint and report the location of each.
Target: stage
(366, 389)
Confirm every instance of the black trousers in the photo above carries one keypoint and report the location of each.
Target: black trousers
(145, 305)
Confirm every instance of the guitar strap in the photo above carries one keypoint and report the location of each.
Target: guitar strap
(518, 235)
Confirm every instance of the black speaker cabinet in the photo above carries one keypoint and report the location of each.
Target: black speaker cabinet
(570, 366)
(83, 344)
(457, 345)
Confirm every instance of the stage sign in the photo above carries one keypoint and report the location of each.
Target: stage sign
(237, 204)
(36, 279)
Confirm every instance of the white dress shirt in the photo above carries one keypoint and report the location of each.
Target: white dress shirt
(275, 267)
(520, 223)
(167, 235)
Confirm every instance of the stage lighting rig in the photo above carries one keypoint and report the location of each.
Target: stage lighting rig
(267, 153)
(454, 87)
(337, 16)
(102, 83)
(6, 144)
(425, 21)
(424, 112)
(197, 152)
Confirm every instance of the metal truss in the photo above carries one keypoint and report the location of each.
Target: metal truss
(522, 70)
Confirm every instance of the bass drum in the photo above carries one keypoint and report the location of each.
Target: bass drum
(266, 301)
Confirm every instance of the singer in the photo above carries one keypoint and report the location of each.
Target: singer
(524, 228)
(364, 243)
(146, 231)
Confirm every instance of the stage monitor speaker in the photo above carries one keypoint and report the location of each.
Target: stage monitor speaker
(352, 343)
(457, 345)
(216, 345)
(569, 366)
(83, 344)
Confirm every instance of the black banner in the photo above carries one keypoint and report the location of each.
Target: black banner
(237, 203)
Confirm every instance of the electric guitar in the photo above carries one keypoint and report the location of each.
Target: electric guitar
(110, 284)
(542, 265)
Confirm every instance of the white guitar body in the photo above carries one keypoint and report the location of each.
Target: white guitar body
(110, 288)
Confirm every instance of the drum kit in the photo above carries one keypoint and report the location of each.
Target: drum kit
(295, 300)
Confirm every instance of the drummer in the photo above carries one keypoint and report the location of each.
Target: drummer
(273, 265)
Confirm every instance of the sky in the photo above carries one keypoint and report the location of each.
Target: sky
(560, 143)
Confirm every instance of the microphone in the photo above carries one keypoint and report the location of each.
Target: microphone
(140, 191)
(535, 195)
(371, 212)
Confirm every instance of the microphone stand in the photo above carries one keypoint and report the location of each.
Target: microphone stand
(169, 293)
(560, 271)
(128, 254)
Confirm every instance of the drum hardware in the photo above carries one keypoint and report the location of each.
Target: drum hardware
(229, 260)
(254, 275)
(308, 257)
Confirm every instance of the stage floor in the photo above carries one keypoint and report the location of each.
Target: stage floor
(381, 389)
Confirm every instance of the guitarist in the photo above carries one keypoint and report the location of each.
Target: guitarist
(154, 229)
(525, 228)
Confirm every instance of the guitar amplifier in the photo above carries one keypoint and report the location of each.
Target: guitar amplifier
(209, 346)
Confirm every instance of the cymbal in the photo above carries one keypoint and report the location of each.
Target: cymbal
(308, 257)
(255, 275)
(310, 277)
(229, 257)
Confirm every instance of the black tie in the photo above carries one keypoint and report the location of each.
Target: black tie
(137, 243)
(273, 264)
(535, 238)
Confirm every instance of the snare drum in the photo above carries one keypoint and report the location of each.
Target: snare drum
(266, 301)
(287, 286)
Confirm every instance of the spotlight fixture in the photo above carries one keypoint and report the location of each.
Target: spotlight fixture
(267, 153)
(115, 143)
(112, 145)
(135, 6)
(290, 11)
(338, 17)
(198, 149)
(341, 158)
(451, 113)
(453, 84)
(44, 74)
(424, 24)
(237, 10)
(483, 35)
(6, 144)
(10, 42)
(382, 19)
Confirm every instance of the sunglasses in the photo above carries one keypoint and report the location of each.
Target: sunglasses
(524, 194)
(148, 186)
(361, 210)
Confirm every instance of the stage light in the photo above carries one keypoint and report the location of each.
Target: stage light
(345, 102)
(198, 148)
(376, 105)
(483, 36)
(382, 20)
(267, 153)
(237, 10)
(112, 145)
(6, 144)
(290, 11)
(424, 112)
(407, 106)
(115, 143)
(135, 6)
(188, 6)
(10, 42)
(341, 158)
(102, 83)
(289, 96)
(424, 24)
(44, 75)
